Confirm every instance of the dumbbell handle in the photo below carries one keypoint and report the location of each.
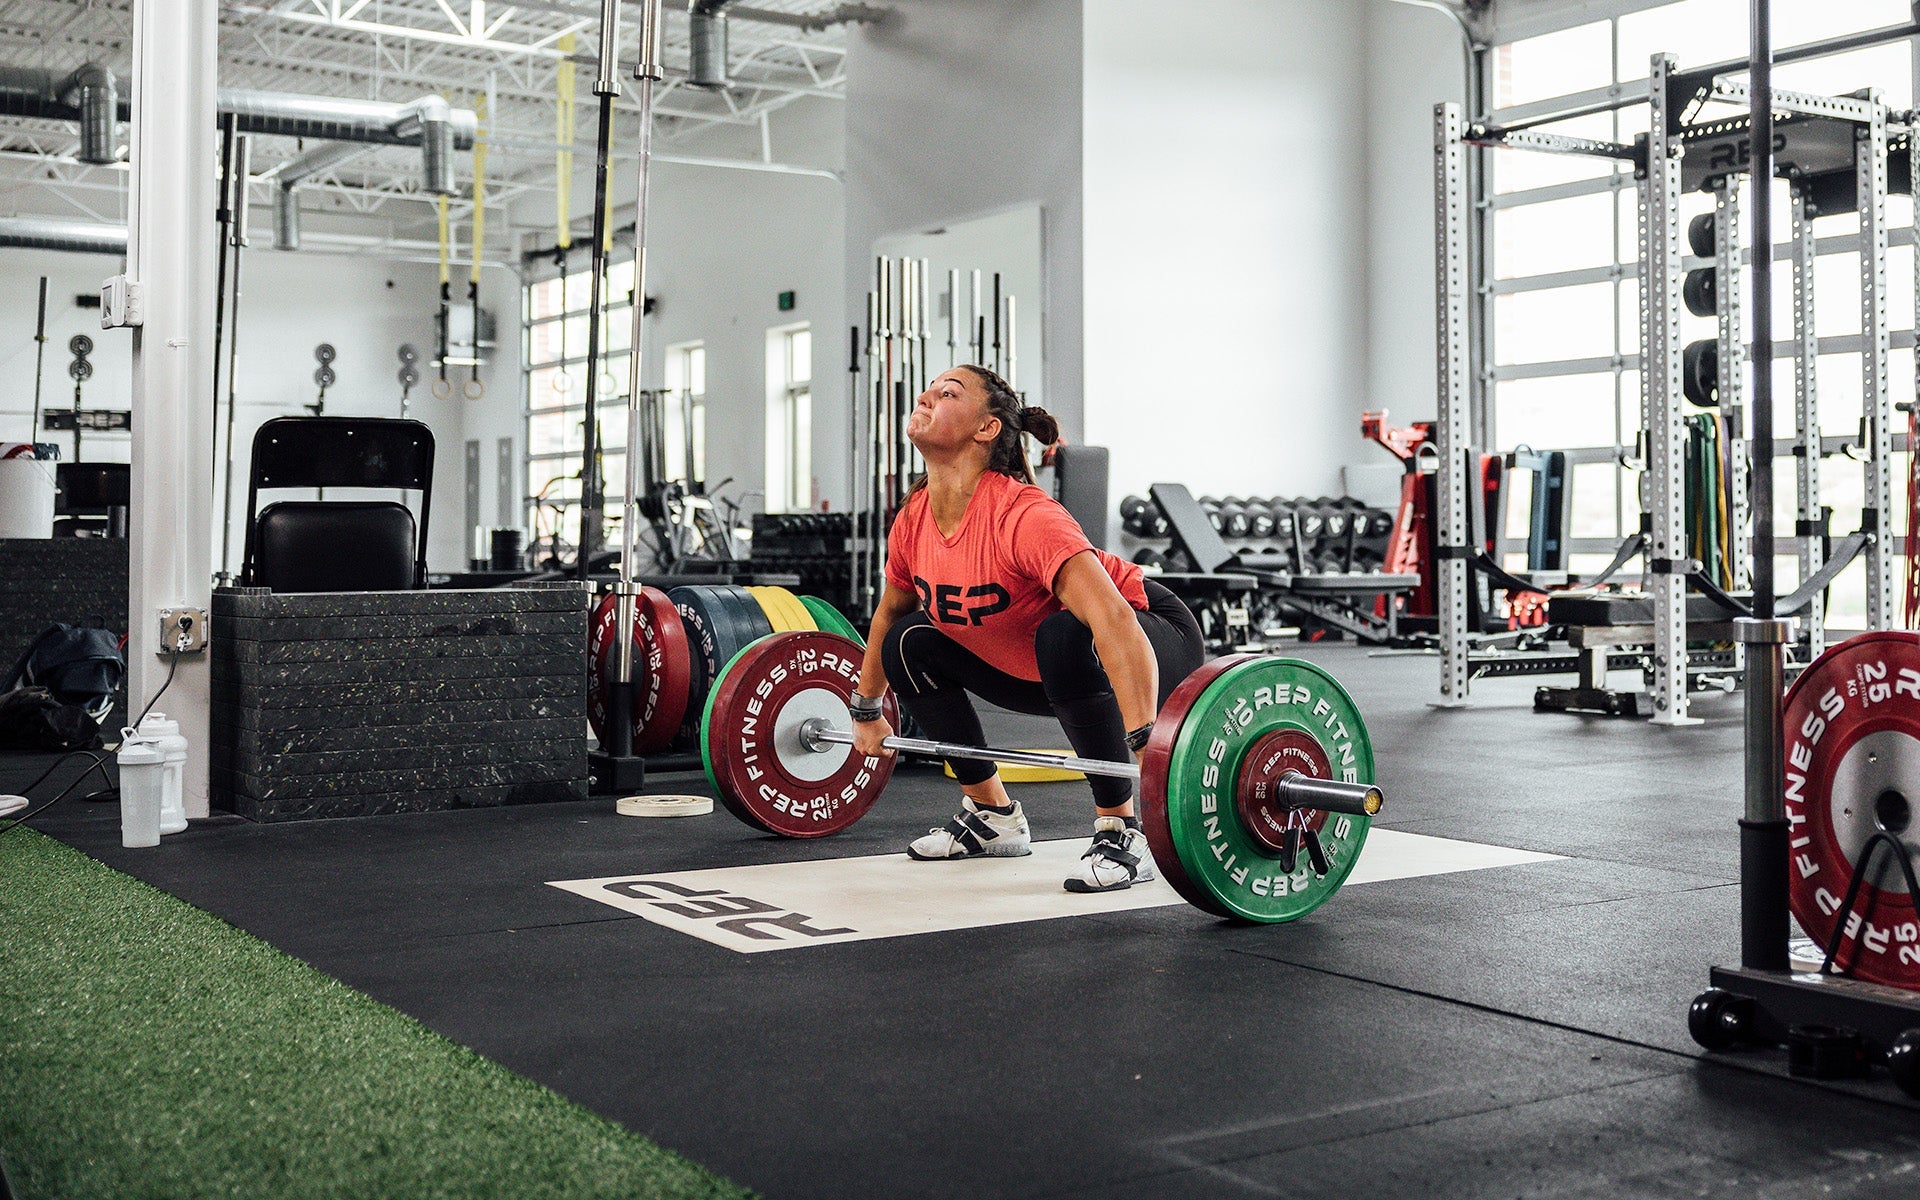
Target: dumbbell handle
(1294, 789)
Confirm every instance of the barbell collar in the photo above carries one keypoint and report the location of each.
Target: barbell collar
(1297, 790)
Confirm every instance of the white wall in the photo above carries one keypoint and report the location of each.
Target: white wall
(958, 110)
(1226, 242)
(290, 303)
(1414, 60)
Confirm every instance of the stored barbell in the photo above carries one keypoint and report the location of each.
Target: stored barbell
(1252, 761)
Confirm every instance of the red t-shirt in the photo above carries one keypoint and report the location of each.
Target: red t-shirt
(990, 585)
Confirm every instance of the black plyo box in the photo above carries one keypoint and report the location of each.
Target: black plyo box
(363, 703)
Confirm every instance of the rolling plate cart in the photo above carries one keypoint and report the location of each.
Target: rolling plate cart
(1824, 800)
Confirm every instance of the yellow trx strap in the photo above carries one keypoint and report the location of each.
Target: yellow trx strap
(444, 277)
(479, 192)
(564, 79)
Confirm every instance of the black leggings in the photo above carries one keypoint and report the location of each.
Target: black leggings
(933, 674)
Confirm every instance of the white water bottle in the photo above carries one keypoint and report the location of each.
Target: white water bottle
(143, 779)
(165, 734)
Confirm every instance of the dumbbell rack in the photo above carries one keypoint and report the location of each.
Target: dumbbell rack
(1329, 536)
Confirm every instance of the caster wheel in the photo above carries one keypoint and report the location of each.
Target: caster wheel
(1718, 1019)
(1903, 1062)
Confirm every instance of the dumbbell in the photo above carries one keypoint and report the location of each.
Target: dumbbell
(1234, 521)
(1211, 506)
(1311, 521)
(1136, 515)
(1177, 561)
(1260, 519)
(1150, 558)
(1333, 518)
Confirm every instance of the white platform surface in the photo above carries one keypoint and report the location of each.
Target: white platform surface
(780, 906)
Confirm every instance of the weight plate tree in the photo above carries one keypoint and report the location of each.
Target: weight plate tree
(750, 737)
(1223, 739)
(662, 662)
(1851, 733)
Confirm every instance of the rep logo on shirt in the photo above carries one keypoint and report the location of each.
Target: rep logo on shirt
(943, 602)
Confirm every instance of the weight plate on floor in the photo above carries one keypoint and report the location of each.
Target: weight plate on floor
(832, 620)
(80, 369)
(1851, 738)
(750, 737)
(798, 616)
(777, 614)
(753, 622)
(1224, 736)
(661, 662)
(80, 345)
(708, 623)
(324, 352)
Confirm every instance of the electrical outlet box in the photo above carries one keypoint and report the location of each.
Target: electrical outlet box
(121, 303)
(182, 630)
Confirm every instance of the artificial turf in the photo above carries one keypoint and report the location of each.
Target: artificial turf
(149, 1049)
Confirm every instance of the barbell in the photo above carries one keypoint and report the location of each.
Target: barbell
(1254, 764)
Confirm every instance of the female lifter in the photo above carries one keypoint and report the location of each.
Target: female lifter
(993, 589)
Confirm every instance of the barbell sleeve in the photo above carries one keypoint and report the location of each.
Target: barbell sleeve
(1293, 789)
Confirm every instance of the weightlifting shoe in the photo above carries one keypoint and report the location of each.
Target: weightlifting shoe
(1118, 858)
(977, 832)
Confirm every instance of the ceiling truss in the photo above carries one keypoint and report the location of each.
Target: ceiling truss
(499, 57)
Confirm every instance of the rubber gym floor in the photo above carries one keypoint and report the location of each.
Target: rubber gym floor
(1510, 1031)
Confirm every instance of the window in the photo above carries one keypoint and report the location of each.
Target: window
(1565, 323)
(684, 411)
(555, 358)
(790, 419)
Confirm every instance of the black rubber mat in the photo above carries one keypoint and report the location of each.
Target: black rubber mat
(1512, 1031)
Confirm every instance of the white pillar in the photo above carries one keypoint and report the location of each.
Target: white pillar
(170, 261)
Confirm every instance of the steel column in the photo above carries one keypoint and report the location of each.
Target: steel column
(172, 193)
(1733, 361)
(1870, 169)
(1667, 551)
(1806, 410)
(1451, 424)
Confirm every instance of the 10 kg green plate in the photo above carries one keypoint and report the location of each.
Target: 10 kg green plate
(1237, 722)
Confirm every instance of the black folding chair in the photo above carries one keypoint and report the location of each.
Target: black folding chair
(338, 545)
(91, 499)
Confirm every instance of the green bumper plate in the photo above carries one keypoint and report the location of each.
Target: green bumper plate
(1199, 768)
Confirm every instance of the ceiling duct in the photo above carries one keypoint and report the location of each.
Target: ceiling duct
(287, 176)
(52, 233)
(707, 41)
(88, 94)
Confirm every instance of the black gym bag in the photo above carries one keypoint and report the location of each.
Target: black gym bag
(77, 665)
(33, 722)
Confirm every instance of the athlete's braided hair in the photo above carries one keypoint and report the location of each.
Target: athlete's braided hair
(1008, 454)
